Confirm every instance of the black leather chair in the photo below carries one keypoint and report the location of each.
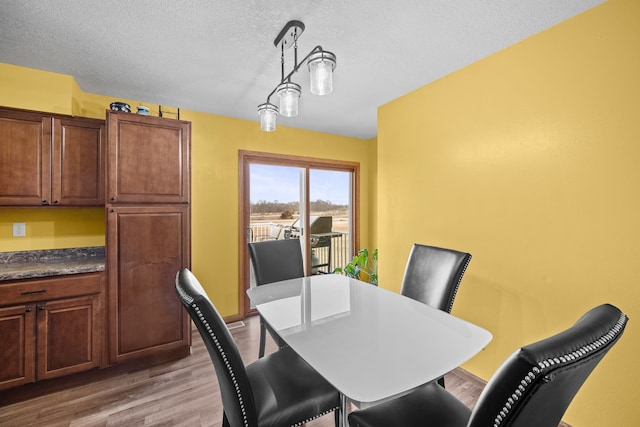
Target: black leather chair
(275, 260)
(433, 275)
(532, 388)
(278, 390)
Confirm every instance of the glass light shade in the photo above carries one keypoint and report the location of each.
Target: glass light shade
(268, 115)
(321, 66)
(289, 94)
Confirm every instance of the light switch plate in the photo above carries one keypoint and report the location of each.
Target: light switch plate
(19, 229)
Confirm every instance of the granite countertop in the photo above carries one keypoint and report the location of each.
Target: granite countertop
(52, 262)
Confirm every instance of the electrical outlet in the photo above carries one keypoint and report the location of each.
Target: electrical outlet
(19, 229)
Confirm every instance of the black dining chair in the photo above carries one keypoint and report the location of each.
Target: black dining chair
(273, 261)
(532, 388)
(433, 275)
(278, 390)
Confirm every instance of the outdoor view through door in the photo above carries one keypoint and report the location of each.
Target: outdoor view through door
(286, 195)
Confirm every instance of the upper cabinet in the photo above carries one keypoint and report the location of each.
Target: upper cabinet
(148, 159)
(50, 160)
(78, 161)
(25, 158)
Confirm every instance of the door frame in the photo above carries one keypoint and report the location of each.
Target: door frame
(245, 159)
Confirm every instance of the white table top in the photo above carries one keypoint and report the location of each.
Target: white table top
(370, 343)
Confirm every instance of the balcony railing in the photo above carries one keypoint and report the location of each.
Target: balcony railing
(328, 250)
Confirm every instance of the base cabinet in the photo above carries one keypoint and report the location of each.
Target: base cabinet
(17, 349)
(43, 339)
(68, 336)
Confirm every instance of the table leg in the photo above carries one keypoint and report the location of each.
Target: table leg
(344, 411)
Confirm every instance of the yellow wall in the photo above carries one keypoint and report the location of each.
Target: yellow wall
(215, 144)
(529, 160)
(52, 228)
(35, 90)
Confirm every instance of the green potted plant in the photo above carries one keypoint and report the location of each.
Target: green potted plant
(362, 264)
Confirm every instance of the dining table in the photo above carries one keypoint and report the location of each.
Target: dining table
(370, 343)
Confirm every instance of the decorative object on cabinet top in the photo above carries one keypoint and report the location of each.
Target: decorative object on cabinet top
(50, 262)
(120, 106)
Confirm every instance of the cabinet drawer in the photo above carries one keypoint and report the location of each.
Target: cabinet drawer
(50, 288)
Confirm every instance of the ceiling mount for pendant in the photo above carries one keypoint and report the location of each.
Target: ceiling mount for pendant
(321, 64)
(289, 34)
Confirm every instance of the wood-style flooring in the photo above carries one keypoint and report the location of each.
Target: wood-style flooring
(177, 393)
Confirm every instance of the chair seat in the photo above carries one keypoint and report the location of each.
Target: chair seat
(297, 401)
(430, 405)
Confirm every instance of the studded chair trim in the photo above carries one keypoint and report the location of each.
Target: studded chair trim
(544, 366)
(455, 290)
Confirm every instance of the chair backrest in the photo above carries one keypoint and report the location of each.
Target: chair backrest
(275, 260)
(237, 395)
(433, 275)
(536, 384)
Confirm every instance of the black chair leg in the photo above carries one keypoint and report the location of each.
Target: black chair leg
(263, 333)
(336, 415)
(225, 421)
(441, 382)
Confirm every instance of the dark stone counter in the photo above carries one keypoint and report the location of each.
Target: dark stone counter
(52, 262)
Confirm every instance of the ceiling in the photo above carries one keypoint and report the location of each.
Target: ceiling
(218, 56)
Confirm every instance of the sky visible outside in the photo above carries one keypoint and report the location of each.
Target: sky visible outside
(282, 183)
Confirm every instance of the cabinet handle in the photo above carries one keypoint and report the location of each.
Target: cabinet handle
(41, 307)
(28, 310)
(44, 202)
(55, 202)
(41, 291)
(113, 198)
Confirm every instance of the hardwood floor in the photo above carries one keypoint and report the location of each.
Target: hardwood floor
(177, 393)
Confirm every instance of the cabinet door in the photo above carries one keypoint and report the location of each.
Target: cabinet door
(148, 159)
(68, 336)
(17, 363)
(78, 162)
(146, 246)
(25, 158)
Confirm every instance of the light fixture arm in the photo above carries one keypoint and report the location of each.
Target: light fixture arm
(295, 68)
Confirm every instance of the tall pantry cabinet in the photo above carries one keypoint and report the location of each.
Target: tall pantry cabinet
(148, 234)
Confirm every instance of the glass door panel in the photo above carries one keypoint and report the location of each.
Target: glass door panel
(329, 219)
(276, 204)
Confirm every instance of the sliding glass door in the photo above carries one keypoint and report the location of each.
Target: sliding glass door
(283, 197)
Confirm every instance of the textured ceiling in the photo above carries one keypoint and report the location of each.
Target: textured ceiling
(218, 56)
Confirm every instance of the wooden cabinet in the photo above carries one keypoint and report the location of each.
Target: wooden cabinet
(50, 327)
(146, 247)
(50, 160)
(25, 158)
(18, 344)
(78, 162)
(148, 234)
(69, 336)
(148, 159)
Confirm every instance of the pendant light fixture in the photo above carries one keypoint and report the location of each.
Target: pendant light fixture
(268, 113)
(289, 94)
(321, 65)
